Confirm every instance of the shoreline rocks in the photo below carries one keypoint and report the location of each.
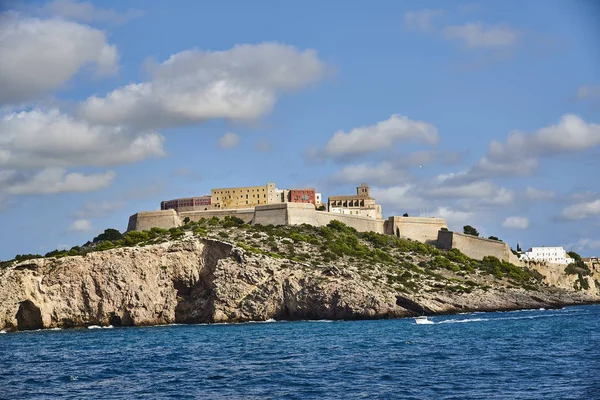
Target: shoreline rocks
(209, 281)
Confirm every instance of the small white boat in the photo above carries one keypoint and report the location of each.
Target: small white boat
(423, 320)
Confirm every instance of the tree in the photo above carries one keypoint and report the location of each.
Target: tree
(574, 255)
(469, 230)
(405, 215)
(186, 220)
(109, 234)
(321, 208)
(518, 248)
(494, 238)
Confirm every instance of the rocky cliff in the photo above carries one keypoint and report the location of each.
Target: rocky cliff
(195, 280)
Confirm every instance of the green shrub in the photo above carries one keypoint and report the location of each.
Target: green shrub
(105, 245)
(230, 222)
(132, 238)
(224, 235)
(578, 267)
(108, 234)
(176, 233)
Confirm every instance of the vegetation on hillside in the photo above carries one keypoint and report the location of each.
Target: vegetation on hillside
(404, 265)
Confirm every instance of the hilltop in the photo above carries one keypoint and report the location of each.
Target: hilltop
(228, 271)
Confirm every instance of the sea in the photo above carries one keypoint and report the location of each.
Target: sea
(533, 354)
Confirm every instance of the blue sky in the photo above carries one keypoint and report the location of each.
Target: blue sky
(484, 113)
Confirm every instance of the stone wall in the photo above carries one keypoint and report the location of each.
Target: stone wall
(246, 214)
(421, 229)
(145, 220)
(476, 247)
(360, 223)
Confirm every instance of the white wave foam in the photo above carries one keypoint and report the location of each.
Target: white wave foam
(3, 331)
(460, 321)
(100, 327)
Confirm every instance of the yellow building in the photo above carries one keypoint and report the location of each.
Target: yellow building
(243, 197)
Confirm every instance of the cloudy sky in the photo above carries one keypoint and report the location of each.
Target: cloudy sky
(484, 113)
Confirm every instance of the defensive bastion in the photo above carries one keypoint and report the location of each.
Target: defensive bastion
(422, 229)
(414, 228)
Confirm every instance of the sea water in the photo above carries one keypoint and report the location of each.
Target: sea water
(539, 354)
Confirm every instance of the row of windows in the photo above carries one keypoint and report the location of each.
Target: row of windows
(236, 190)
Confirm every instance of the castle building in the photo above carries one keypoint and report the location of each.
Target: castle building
(555, 255)
(360, 204)
(244, 197)
(187, 204)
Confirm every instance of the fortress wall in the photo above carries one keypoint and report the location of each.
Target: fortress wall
(302, 213)
(271, 214)
(145, 220)
(474, 247)
(421, 229)
(361, 224)
(246, 214)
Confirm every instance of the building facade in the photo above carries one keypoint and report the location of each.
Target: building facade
(318, 199)
(555, 255)
(302, 196)
(187, 204)
(244, 197)
(360, 204)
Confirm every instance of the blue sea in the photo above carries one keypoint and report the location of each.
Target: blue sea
(540, 354)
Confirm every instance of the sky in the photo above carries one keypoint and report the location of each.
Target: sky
(484, 113)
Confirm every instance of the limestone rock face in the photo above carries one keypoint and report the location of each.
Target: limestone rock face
(202, 280)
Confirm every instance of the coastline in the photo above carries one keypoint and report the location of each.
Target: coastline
(209, 280)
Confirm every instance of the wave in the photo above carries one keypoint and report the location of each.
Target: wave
(100, 327)
(3, 331)
(459, 321)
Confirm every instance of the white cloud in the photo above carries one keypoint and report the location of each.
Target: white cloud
(421, 20)
(57, 180)
(41, 138)
(571, 134)
(383, 173)
(477, 35)
(588, 92)
(518, 155)
(373, 138)
(584, 244)
(81, 225)
(463, 190)
(229, 140)
(516, 223)
(193, 86)
(398, 199)
(456, 219)
(39, 56)
(98, 209)
(85, 12)
(537, 194)
(582, 210)
(471, 193)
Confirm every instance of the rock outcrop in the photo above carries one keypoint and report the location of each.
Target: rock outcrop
(203, 280)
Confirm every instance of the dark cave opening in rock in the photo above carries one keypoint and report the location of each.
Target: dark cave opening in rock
(29, 316)
(115, 320)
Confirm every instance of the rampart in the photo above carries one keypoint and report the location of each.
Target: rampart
(270, 214)
(145, 220)
(422, 229)
(476, 247)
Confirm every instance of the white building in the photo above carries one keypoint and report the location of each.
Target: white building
(318, 199)
(555, 255)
